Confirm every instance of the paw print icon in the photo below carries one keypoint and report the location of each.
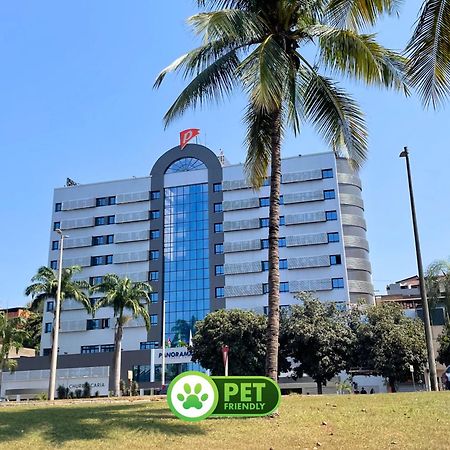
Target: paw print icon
(192, 396)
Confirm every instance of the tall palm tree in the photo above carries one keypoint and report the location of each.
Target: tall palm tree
(262, 46)
(123, 294)
(12, 336)
(429, 52)
(45, 284)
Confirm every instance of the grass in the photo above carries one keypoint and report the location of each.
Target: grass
(384, 421)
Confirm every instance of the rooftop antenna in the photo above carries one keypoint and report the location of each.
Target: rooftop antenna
(70, 182)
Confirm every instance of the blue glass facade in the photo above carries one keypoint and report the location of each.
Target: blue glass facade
(186, 259)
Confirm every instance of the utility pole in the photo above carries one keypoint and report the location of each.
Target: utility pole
(423, 292)
(54, 360)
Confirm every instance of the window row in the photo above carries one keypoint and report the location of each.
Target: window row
(101, 260)
(104, 348)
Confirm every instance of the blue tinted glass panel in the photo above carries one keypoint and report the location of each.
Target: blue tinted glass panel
(185, 165)
(186, 259)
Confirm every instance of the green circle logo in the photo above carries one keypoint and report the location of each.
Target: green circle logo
(192, 396)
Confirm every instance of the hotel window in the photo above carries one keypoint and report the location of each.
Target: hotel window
(154, 234)
(329, 194)
(282, 220)
(106, 348)
(264, 222)
(327, 173)
(94, 281)
(109, 259)
(335, 260)
(281, 200)
(217, 187)
(101, 260)
(264, 266)
(155, 195)
(47, 352)
(284, 286)
(55, 245)
(219, 269)
(218, 228)
(100, 221)
(154, 275)
(283, 264)
(148, 345)
(90, 349)
(218, 207)
(264, 201)
(154, 297)
(48, 327)
(337, 283)
(155, 214)
(333, 237)
(220, 292)
(153, 319)
(53, 264)
(265, 288)
(154, 255)
(264, 243)
(50, 306)
(105, 201)
(110, 239)
(58, 207)
(111, 219)
(56, 226)
(102, 240)
(218, 249)
(282, 242)
(97, 324)
(331, 215)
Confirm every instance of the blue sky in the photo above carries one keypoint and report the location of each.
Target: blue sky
(77, 101)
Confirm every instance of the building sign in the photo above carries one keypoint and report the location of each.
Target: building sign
(194, 396)
(176, 355)
(187, 135)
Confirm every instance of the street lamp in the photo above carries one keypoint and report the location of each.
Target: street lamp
(54, 360)
(423, 293)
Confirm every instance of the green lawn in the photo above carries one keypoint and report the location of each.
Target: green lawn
(382, 421)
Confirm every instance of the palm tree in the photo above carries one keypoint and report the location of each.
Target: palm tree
(12, 336)
(429, 52)
(437, 282)
(45, 284)
(123, 294)
(262, 47)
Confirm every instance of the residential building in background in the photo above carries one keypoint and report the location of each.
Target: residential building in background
(198, 232)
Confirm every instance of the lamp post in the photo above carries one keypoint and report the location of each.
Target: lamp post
(423, 293)
(54, 360)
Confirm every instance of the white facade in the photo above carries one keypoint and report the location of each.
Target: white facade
(324, 247)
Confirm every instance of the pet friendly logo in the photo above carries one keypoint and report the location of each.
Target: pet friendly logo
(194, 396)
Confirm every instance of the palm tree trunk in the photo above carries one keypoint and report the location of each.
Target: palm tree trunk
(273, 326)
(117, 358)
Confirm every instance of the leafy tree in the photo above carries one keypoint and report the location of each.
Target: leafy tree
(444, 346)
(261, 47)
(242, 331)
(33, 328)
(437, 283)
(123, 295)
(12, 335)
(429, 52)
(388, 342)
(318, 339)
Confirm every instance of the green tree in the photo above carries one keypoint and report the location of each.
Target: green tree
(242, 331)
(444, 346)
(437, 283)
(33, 328)
(12, 335)
(429, 52)
(388, 342)
(318, 339)
(45, 284)
(123, 295)
(262, 47)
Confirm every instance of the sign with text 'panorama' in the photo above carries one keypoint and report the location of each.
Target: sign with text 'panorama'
(194, 396)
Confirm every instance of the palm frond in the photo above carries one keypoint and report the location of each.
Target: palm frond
(259, 126)
(358, 14)
(264, 73)
(335, 115)
(360, 56)
(212, 84)
(429, 53)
